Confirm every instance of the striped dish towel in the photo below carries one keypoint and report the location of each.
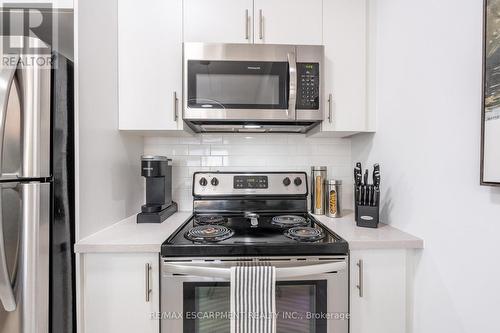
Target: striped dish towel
(253, 301)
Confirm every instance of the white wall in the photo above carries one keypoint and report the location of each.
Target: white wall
(428, 91)
(108, 167)
(250, 152)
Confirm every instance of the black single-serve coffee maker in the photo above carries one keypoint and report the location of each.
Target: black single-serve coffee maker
(159, 205)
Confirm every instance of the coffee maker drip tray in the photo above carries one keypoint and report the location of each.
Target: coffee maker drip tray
(157, 217)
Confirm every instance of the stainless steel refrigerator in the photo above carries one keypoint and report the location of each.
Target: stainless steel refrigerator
(36, 195)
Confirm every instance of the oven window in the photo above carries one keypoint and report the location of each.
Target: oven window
(237, 85)
(207, 306)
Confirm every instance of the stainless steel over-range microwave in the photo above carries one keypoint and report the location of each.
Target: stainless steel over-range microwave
(252, 87)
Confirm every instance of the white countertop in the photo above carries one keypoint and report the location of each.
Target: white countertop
(128, 236)
(383, 237)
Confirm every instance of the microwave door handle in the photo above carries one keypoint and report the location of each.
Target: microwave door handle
(292, 92)
(6, 80)
(281, 273)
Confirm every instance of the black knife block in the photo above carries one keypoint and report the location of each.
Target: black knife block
(367, 216)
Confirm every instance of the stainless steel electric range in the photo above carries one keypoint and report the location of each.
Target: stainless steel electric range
(258, 217)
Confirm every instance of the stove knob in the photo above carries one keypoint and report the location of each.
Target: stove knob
(214, 181)
(203, 181)
(286, 181)
(297, 181)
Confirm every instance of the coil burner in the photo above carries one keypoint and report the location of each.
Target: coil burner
(289, 221)
(209, 233)
(304, 234)
(210, 219)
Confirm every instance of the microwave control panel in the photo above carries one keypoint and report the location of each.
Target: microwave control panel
(307, 86)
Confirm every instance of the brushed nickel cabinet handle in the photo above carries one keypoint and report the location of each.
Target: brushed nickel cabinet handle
(148, 281)
(261, 25)
(247, 32)
(330, 102)
(176, 102)
(360, 286)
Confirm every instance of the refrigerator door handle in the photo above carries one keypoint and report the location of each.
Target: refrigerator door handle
(6, 293)
(6, 80)
(34, 273)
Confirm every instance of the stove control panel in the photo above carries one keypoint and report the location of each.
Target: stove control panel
(251, 183)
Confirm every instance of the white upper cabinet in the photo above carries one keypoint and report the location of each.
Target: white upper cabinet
(218, 21)
(150, 38)
(345, 40)
(150, 64)
(249, 21)
(288, 22)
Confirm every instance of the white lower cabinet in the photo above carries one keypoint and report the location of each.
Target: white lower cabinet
(378, 291)
(120, 292)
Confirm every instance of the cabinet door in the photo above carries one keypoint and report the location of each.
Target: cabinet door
(344, 36)
(380, 305)
(218, 21)
(150, 64)
(114, 293)
(288, 22)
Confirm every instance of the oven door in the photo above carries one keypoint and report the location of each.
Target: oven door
(235, 82)
(316, 302)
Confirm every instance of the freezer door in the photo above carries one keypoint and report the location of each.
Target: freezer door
(24, 117)
(24, 257)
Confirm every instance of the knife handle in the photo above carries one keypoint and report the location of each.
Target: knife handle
(358, 179)
(362, 195)
(376, 196)
(370, 195)
(365, 198)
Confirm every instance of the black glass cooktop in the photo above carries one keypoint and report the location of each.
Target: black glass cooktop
(233, 235)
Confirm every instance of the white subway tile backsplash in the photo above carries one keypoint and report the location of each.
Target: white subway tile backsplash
(244, 161)
(199, 150)
(254, 139)
(166, 149)
(211, 161)
(180, 172)
(211, 139)
(190, 140)
(160, 140)
(250, 152)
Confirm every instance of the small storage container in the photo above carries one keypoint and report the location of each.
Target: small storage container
(333, 197)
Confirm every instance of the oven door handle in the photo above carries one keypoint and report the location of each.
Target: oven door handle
(281, 273)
